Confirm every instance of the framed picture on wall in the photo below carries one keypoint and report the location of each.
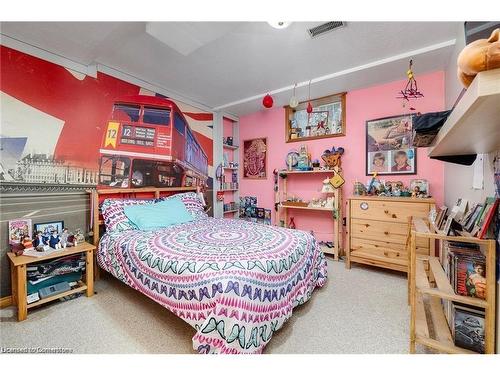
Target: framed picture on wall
(326, 120)
(388, 146)
(255, 158)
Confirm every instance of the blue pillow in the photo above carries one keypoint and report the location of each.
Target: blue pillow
(158, 215)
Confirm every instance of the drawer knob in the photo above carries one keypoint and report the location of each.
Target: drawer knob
(394, 216)
(386, 211)
(386, 233)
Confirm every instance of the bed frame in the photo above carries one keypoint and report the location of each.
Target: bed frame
(98, 195)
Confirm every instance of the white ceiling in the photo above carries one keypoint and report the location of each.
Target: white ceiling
(231, 65)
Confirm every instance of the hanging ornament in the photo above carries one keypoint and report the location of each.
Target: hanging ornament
(294, 102)
(309, 105)
(267, 101)
(411, 89)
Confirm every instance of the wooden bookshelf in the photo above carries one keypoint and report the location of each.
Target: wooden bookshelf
(335, 211)
(306, 172)
(20, 284)
(284, 205)
(429, 285)
(78, 289)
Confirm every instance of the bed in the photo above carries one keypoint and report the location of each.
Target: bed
(234, 281)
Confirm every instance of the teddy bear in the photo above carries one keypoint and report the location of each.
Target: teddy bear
(332, 158)
(480, 55)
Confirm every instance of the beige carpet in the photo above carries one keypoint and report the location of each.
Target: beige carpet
(362, 310)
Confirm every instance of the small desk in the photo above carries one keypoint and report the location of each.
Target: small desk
(19, 280)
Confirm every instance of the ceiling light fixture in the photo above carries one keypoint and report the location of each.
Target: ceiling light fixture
(279, 24)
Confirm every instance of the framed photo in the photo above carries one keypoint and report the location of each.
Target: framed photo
(47, 228)
(18, 229)
(255, 158)
(388, 146)
(326, 120)
(421, 185)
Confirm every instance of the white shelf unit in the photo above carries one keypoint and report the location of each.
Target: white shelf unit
(473, 126)
(234, 155)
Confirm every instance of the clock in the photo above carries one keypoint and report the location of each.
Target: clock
(292, 159)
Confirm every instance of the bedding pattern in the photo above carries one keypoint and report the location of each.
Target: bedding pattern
(234, 281)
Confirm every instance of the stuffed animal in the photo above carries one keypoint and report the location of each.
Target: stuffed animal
(333, 158)
(480, 55)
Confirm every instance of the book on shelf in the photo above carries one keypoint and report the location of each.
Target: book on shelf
(440, 217)
(468, 328)
(475, 222)
(466, 269)
(489, 211)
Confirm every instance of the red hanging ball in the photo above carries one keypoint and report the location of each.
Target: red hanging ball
(309, 107)
(267, 101)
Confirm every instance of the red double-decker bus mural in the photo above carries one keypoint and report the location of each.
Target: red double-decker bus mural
(148, 142)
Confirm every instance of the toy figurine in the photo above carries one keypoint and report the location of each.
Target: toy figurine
(416, 192)
(55, 240)
(17, 248)
(478, 56)
(291, 224)
(79, 236)
(67, 239)
(40, 242)
(27, 243)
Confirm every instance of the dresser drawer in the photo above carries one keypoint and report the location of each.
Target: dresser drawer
(379, 230)
(387, 210)
(389, 249)
(380, 255)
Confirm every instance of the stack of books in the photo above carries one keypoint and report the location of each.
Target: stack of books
(466, 270)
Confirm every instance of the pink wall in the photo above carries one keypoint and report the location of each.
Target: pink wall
(361, 105)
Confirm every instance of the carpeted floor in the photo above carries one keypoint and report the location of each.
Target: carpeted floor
(362, 310)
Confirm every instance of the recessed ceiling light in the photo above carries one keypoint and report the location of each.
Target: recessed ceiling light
(279, 24)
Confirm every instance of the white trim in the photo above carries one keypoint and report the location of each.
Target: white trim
(230, 116)
(344, 72)
(150, 86)
(90, 70)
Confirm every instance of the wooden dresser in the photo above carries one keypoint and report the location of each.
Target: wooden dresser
(377, 230)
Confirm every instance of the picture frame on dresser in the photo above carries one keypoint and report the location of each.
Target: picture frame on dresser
(48, 227)
(388, 146)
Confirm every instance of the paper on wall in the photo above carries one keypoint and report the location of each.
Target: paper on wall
(478, 172)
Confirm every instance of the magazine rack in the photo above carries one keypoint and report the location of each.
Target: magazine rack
(429, 285)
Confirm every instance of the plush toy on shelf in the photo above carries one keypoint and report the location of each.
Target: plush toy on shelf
(478, 56)
(332, 158)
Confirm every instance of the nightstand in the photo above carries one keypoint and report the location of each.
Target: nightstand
(19, 280)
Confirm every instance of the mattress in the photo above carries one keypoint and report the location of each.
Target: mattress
(234, 281)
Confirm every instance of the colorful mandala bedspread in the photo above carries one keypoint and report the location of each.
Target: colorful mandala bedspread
(236, 282)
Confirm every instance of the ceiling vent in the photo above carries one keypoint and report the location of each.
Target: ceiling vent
(325, 28)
